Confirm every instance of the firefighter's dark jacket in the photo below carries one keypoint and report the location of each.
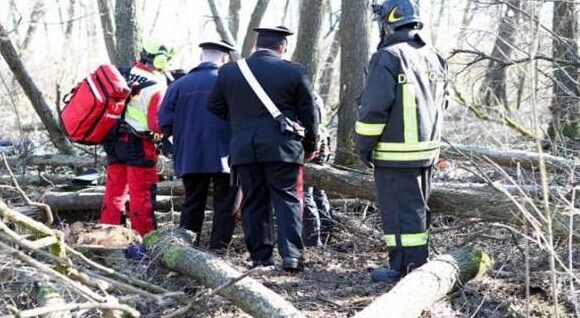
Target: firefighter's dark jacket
(256, 136)
(399, 122)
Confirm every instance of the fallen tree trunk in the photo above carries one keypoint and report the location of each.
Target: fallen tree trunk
(36, 180)
(93, 202)
(455, 199)
(174, 249)
(510, 158)
(426, 285)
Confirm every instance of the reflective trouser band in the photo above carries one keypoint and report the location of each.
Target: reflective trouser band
(410, 113)
(392, 151)
(136, 115)
(369, 130)
(407, 240)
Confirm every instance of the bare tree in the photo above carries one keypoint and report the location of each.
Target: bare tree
(108, 27)
(255, 20)
(127, 31)
(353, 61)
(220, 24)
(328, 68)
(307, 49)
(493, 88)
(35, 15)
(565, 124)
(234, 22)
(71, 19)
(33, 93)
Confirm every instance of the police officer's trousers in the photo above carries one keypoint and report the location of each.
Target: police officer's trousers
(403, 195)
(193, 211)
(264, 184)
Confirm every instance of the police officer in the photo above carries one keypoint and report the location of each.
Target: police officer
(202, 141)
(398, 132)
(131, 153)
(268, 158)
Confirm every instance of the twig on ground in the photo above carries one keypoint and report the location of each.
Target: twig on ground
(75, 307)
(42, 206)
(81, 289)
(198, 298)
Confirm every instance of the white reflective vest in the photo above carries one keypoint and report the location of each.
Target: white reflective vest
(141, 111)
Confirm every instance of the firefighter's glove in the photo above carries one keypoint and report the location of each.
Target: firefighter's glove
(366, 157)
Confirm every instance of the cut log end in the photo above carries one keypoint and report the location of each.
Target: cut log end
(429, 283)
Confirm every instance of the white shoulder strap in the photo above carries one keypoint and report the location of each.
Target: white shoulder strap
(257, 88)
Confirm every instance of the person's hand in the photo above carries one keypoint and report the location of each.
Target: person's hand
(157, 137)
(309, 156)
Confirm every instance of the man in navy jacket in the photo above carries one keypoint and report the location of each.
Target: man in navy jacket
(269, 161)
(202, 140)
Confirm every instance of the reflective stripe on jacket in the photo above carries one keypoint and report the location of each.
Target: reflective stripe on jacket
(141, 111)
(400, 117)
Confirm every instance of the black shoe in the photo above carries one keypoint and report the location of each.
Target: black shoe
(262, 263)
(291, 264)
(385, 275)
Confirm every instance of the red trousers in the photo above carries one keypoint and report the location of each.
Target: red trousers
(138, 183)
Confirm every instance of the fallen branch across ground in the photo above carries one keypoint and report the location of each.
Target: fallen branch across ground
(174, 249)
(426, 285)
(510, 157)
(462, 200)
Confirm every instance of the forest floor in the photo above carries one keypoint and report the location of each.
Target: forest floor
(336, 281)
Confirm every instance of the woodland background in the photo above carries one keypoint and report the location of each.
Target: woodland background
(515, 87)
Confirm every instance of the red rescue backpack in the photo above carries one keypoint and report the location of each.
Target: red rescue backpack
(94, 107)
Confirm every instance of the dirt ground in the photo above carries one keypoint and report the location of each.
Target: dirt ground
(336, 281)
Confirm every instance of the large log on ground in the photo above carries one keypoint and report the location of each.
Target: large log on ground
(426, 285)
(454, 199)
(510, 158)
(93, 202)
(174, 249)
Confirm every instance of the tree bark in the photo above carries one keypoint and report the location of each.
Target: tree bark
(234, 23)
(34, 95)
(307, 51)
(493, 88)
(429, 283)
(108, 29)
(565, 124)
(220, 25)
(174, 249)
(127, 32)
(255, 20)
(353, 61)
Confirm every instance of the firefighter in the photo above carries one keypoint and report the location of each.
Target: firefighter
(398, 132)
(268, 151)
(201, 145)
(130, 148)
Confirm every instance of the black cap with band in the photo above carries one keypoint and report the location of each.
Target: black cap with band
(223, 46)
(279, 31)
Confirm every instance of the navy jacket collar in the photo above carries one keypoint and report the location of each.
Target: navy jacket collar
(205, 66)
(268, 53)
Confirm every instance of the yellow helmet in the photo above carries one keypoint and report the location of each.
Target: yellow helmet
(157, 54)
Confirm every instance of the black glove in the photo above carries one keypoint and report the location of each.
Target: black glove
(366, 157)
(166, 148)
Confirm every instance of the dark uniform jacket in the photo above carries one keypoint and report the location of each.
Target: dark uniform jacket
(256, 136)
(400, 117)
(201, 139)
